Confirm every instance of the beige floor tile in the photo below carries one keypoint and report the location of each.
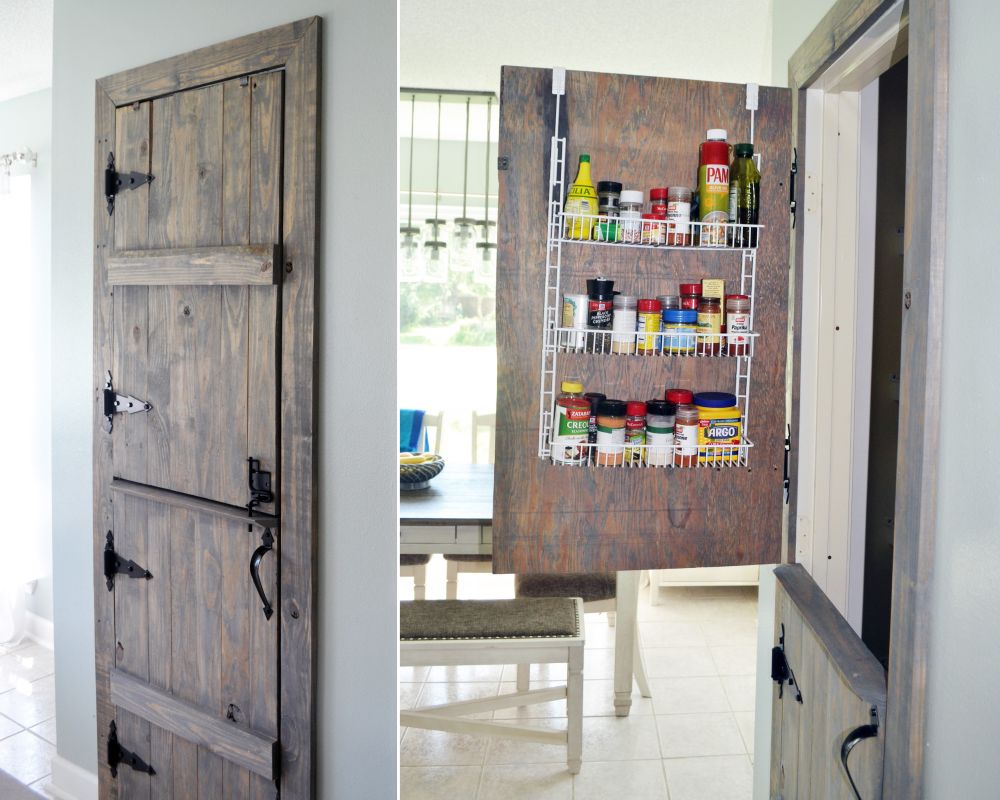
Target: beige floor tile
(42, 786)
(47, 730)
(408, 694)
(8, 727)
(422, 748)
(541, 672)
(599, 634)
(688, 695)
(504, 750)
(631, 780)
(619, 738)
(741, 690)
(413, 674)
(27, 663)
(26, 756)
(438, 783)
(467, 673)
(735, 659)
(676, 633)
(534, 781)
(554, 708)
(438, 693)
(678, 662)
(599, 700)
(745, 720)
(729, 631)
(718, 778)
(688, 735)
(30, 703)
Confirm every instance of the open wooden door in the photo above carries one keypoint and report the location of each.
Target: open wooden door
(643, 132)
(203, 357)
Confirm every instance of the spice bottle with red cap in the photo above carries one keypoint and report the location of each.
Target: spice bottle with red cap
(635, 432)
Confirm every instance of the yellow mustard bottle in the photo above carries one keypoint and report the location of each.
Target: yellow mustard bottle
(582, 203)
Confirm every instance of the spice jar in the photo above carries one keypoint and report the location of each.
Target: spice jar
(571, 425)
(630, 217)
(659, 432)
(720, 423)
(594, 398)
(738, 324)
(623, 338)
(652, 230)
(680, 397)
(686, 436)
(668, 301)
(679, 216)
(709, 326)
(609, 199)
(600, 311)
(658, 202)
(611, 433)
(648, 322)
(574, 316)
(679, 329)
(635, 432)
(690, 295)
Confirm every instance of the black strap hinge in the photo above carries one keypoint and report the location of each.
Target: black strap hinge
(114, 564)
(792, 204)
(119, 755)
(115, 182)
(115, 403)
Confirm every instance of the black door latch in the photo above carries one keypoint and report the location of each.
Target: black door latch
(119, 755)
(793, 206)
(114, 564)
(115, 182)
(259, 482)
(781, 670)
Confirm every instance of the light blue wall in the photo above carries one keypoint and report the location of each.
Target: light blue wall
(962, 689)
(357, 491)
(26, 121)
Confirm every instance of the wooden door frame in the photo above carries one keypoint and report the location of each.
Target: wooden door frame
(923, 266)
(294, 48)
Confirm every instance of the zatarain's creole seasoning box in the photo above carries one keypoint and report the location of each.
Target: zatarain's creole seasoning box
(720, 423)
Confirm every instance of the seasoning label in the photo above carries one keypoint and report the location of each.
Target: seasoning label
(679, 338)
(648, 321)
(660, 443)
(713, 202)
(715, 432)
(709, 324)
(686, 439)
(737, 326)
(678, 217)
(634, 436)
(599, 313)
(574, 315)
(610, 440)
(572, 430)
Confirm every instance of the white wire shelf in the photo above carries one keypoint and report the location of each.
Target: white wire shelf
(599, 229)
(664, 343)
(651, 456)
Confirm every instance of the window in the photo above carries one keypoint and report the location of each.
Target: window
(447, 264)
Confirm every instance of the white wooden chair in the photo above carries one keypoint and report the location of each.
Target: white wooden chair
(473, 563)
(599, 593)
(435, 423)
(526, 631)
(415, 566)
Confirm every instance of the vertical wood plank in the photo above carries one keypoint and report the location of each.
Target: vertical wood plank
(300, 231)
(209, 774)
(235, 163)
(132, 154)
(792, 713)
(133, 734)
(104, 633)
(777, 704)
(235, 782)
(161, 751)
(207, 597)
(184, 761)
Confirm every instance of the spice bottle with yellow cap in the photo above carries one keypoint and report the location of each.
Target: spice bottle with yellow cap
(572, 424)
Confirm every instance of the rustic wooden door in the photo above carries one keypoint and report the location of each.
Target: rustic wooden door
(643, 132)
(197, 228)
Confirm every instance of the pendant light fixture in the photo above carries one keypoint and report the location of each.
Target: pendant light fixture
(486, 264)
(435, 247)
(464, 232)
(410, 240)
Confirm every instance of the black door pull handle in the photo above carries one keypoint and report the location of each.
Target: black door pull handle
(267, 543)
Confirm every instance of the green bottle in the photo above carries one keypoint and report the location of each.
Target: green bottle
(744, 197)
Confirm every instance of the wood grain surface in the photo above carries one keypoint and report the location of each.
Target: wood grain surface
(643, 132)
(234, 265)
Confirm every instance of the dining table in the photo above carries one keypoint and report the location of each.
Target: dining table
(454, 515)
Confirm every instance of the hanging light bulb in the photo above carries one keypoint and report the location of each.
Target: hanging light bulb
(411, 266)
(435, 248)
(464, 233)
(486, 264)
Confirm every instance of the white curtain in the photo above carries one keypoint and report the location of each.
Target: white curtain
(23, 362)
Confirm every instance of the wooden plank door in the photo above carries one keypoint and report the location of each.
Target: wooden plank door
(194, 324)
(834, 687)
(643, 132)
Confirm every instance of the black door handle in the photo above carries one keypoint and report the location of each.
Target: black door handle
(267, 543)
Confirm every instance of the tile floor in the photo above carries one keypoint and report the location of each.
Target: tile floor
(27, 713)
(691, 741)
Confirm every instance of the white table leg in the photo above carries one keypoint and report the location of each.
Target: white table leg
(627, 607)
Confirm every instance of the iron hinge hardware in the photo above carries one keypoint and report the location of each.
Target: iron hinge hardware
(115, 182)
(503, 163)
(781, 670)
(787, 481)
(119, 755)
(792, 204)
(115, 403)
(114, 564)
(260, 485)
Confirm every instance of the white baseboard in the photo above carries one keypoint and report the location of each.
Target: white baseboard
(38, 629)
(70, 782)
